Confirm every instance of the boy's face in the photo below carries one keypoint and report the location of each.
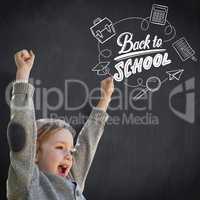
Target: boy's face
(52, 154)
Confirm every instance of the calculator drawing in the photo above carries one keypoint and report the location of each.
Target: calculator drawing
(103, 29)
(183, 49)
(158, 14)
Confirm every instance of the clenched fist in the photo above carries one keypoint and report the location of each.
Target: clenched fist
(107, 88)
(24, 61)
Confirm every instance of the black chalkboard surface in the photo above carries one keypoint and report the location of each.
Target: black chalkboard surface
(150, 148)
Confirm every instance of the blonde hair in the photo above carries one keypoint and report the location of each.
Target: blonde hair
(46, 134)
(48, 127)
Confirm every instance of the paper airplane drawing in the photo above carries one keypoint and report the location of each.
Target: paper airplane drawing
(175, 74)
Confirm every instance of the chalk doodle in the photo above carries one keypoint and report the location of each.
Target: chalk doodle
(158, 14)
(102, 29)
(123, 56)
(184, 50)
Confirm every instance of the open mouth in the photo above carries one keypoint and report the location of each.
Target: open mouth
(62, 170)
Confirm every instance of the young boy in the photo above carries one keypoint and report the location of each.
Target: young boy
(43, 162)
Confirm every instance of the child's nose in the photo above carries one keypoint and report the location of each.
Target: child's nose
(68, 156)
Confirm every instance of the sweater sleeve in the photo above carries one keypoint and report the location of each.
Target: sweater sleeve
(86, 145)
(21, 134)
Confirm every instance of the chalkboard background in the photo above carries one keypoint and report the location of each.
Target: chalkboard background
(133, 161)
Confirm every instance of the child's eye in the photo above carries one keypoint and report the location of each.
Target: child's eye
(59, 147)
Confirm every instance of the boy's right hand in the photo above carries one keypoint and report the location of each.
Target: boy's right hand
(24, 61)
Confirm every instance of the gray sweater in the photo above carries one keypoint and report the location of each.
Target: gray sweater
(25, 179)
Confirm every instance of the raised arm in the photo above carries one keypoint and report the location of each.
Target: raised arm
(90, 135)
(21, 131)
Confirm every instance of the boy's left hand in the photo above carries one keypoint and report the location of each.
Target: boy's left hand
(107, 88)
